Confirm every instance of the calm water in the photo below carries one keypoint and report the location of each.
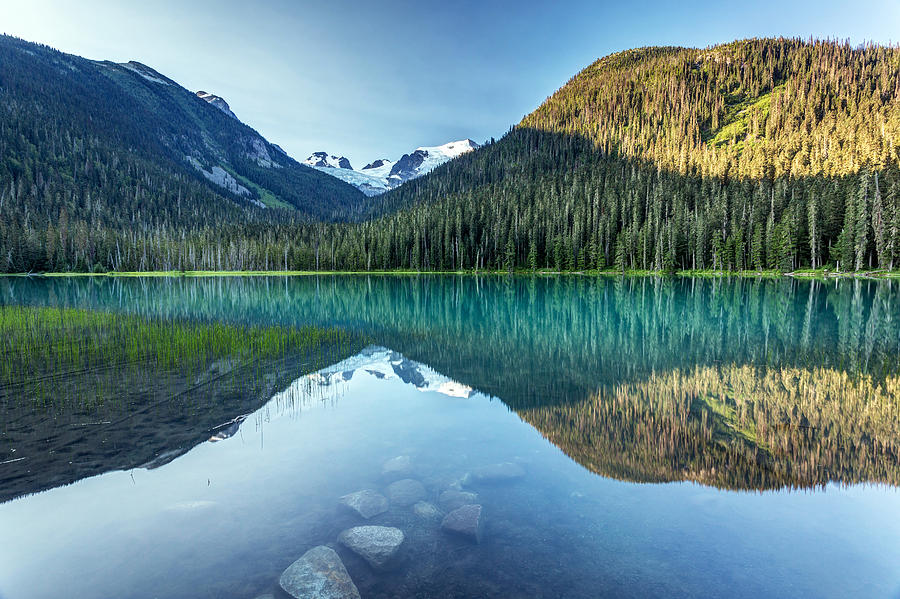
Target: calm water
(696, 438)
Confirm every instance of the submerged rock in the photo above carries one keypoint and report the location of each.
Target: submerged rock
(405, 492)
(426, 510)
(366, 503)
(495, 473)
(464, 521)
(319, 574)
(443, 482)
(452, 499)
(375, 544)
(398, 467)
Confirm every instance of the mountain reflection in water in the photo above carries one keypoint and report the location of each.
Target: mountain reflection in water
(740, 384)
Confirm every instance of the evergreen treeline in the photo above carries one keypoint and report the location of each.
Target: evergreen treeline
(761, 154)
(602, 212)
(90, 151)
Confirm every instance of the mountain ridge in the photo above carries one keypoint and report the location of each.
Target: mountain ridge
(217, 101)
(766, 154)
(752, 108)
(382, 175)
(135, 111)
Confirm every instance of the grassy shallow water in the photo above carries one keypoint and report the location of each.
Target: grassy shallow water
(119, 390)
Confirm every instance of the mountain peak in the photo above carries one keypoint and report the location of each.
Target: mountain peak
(427, 158)
(324, 160)
(216, 101)
(377, 164)
(383, 174)
(454, 148)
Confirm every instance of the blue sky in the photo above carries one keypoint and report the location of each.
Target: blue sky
(375, 79)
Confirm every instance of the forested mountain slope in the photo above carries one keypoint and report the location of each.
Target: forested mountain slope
(96, 146)
(760, 154)
(750, 109)
(755, 154)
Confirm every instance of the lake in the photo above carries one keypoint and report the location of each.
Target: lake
(621, 437)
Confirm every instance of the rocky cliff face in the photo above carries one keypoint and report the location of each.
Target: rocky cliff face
(216, 101)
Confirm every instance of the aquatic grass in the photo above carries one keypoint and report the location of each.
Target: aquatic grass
(43, 346)
(84, 391)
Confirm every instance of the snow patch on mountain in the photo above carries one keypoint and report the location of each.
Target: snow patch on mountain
(324, 160)
(371, 182)
(383, 175)
(218, 102)
(425, 159)
(388, 364)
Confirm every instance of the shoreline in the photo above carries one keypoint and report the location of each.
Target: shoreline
(753, 274)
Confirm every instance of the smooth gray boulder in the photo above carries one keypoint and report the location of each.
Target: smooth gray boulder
(405, 492)
(319, 574)
(465, 522)
(398, 467)
(426, 510)
(452, 499)
(375, 544)
(366, 503)
(495, 473)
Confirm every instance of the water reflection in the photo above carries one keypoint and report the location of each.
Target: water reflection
(735, 427)
(84, 392)
(743, 384)
(227, 517)
(609, 328)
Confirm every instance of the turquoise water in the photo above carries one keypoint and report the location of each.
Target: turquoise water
(676, 437)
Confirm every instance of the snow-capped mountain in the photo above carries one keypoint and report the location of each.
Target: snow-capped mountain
(382, 175)
(377, 164)
(384, 363)
(322, 159)
(424, 160)
(370, 180)
(217, 101)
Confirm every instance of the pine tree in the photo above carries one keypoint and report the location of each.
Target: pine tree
(813, 228)
(509, 259)
(861, 228)
(878, 227)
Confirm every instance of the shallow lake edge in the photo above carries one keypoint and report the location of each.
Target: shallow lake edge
(758, 274)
